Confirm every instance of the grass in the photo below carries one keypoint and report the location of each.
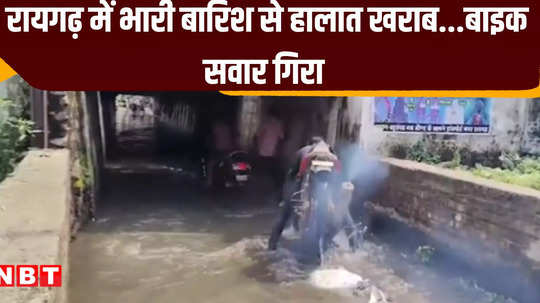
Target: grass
(495, 165)
(525, 173)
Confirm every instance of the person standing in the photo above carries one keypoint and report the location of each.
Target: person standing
(221, 143)
(269, 137)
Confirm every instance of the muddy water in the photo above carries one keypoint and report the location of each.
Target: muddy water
(171, 256)
(160, 239)
(157, 241)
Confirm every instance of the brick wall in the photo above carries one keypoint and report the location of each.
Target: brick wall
(492, 220)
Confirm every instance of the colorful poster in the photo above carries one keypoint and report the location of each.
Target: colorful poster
(433, 115)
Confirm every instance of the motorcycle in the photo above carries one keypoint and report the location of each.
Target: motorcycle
(317, 217)
(232, 171)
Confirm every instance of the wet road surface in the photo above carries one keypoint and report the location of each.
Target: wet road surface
(158, 238)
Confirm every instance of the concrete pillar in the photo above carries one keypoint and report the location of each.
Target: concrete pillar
(101, 114)
(366, 122)
(82, 162)
(331, 134)
(249, 118)
(107, 110)
(36, 115)
(87, 158)
(354, 115)
(93, 136)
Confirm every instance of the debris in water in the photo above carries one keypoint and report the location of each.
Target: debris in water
(239, 216)
(377, 296)
(103, 220)
(425, 254)
(290, 233)
(335, 279)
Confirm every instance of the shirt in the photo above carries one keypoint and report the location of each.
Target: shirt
(305, 151)
(298, 157)
(268, 137)
(222, 137)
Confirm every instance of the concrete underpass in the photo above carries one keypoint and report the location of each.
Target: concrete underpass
(159, 235)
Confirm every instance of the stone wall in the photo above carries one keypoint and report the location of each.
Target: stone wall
(87, 161)
(490, 221)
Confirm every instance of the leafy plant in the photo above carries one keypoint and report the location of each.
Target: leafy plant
(84, 181)
(509, 160)
(456, 160)
(14, 134)
(421, 152)
(399, 151)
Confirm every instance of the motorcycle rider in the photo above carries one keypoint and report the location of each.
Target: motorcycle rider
(293, 183)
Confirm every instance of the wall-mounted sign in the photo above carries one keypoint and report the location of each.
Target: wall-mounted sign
(433, 115)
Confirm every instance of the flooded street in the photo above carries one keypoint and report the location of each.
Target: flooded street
(159, 237)
(158, 243)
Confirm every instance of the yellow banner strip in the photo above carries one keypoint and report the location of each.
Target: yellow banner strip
(531, 93)
(6, 71)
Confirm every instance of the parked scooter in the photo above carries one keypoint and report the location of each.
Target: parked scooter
(232, 171)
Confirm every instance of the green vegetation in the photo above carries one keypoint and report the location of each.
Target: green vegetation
(15, 130)
(500, 166)
(422, 152)
(524, 172)
(425, 254)
(84, 181)
(425, 151)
